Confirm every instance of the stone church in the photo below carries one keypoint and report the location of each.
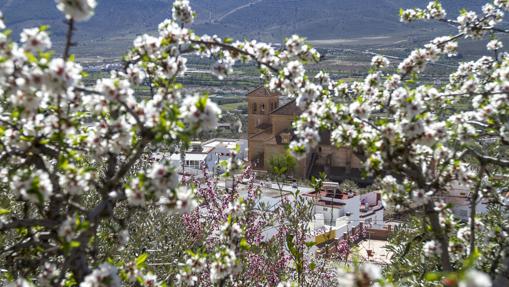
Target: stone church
(270, 132)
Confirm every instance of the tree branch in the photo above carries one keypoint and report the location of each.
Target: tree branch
(68, 40)
(473, 209)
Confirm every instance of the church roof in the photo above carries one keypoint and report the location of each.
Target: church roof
(288, 109)
(261, 92)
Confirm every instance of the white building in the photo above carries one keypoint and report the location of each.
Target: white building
(192, 161)
(337, 212)
(459, 197)
(210, 153)
(223, 149)
(372, 210)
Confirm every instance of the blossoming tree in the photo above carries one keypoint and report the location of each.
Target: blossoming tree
(73, 157)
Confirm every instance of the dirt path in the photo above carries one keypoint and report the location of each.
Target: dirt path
(236, 10)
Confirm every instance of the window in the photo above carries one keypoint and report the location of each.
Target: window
(254, 108)
(262, 108)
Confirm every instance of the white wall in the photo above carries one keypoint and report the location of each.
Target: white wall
(459, 199)
(375, 220)
(369, 198)
(243, 149)
(329, 214)
(353, 206)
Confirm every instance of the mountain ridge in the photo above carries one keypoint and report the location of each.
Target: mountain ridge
(267, 20)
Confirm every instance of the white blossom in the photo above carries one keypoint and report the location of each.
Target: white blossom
(182, 11)
(474, 278)
(435, 11)
(104, 275)
(223, 67)
(134, 193)
(379, 62)
(66, 229)
(185, 200)
(504, 4)
(2, 24)
(150, 280)
(48, 275)
(163, 176)
(147, 44)
(372, 271)
(20, 283)
(79, 10)
(63, 74)
(34, 39)
(200, 112)
(431, 248)
(135, 74)
(37, 188)
(494, 45)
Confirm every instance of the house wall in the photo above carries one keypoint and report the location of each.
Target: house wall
(255, 148)
(376, 220)
(272, 150)
(351, 205)
(243, 148)
(329, 214)
(460, 201)
(379, 234)
(369, 198)
(342, 230)
(339, 157)
(281, 122)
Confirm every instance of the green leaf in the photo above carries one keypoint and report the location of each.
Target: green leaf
(291, 247)
(4, 211)
(31, 58)
(140, 260)
(433, 276)
(310, 244)
(312, 266)
(244, 245)
(74, 244)
(470, 261)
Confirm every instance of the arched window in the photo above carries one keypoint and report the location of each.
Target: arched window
(262, 108)
(254, 108)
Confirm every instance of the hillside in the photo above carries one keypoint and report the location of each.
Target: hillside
(117, 22)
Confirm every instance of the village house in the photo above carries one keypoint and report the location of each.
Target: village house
(336, 208)
(210, 153)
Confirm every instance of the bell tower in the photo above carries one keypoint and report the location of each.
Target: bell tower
(261, 102)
